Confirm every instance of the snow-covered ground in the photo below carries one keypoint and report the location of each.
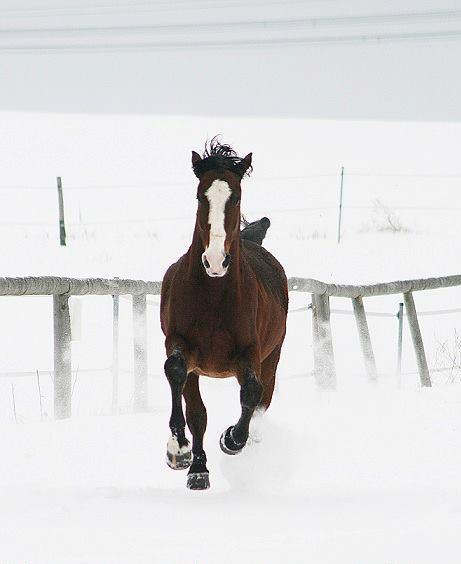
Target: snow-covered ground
(367, 474)
(364, 476)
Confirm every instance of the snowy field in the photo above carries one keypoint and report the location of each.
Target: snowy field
(364, 475)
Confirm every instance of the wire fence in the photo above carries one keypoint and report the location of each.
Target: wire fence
(379, 313)
(445, 179)
(180, 183)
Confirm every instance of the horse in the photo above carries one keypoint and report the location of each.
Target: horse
(223, 312)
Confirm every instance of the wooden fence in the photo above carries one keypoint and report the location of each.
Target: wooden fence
(324, 366)
(61, 289)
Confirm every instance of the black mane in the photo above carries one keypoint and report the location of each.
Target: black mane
(221, 157)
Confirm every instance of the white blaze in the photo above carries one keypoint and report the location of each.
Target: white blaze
(218, 194)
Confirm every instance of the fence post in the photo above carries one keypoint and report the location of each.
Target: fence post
(364, 338)
(399, 341)
(324, 361)
(315, 338)
(340, 205)
(62, 227)
(115, 338)
(317, 341)
(62, 357)
(140, 352)
(417, 339)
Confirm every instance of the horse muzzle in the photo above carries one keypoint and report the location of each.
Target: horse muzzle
(216, 266)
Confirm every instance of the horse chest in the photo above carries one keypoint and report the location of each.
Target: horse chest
(215, 339)
(215, 351)
(210, 334)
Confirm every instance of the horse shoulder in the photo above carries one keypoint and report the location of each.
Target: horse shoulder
(168, 284)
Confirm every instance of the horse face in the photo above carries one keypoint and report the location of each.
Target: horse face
(218, 219)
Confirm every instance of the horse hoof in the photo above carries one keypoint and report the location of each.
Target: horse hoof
(228, 443)
(198, 481)
(178, 458)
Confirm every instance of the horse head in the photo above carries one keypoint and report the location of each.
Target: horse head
(220, 172)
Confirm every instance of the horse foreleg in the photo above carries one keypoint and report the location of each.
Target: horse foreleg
(178, 447)
(234, 439)
(196, 416)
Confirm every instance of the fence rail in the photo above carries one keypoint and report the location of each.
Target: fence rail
(52, 286)
(363, 291)
(324, 366)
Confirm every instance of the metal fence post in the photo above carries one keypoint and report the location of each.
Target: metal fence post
(324, 368)
(62, 227)
(417, 340)
(340, 205)
(364, 338)
(62, 357)
(140, 402)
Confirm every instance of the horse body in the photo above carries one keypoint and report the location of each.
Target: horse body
(218, 319)
(223, 312)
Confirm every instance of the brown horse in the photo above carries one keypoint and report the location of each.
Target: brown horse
(223, 311)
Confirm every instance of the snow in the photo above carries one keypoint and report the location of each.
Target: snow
(334, 478)
(369, 473)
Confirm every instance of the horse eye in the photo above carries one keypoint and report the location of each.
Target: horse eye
(200, 198)
(235, 200)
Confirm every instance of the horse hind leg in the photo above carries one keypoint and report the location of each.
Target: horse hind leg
(178, 447)
(196, 416)
(235, 437)
(268, 371)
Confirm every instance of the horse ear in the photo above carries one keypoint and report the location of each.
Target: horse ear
(196, 158)
(247, 160)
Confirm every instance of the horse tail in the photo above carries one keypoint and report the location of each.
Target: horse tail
(255, 231)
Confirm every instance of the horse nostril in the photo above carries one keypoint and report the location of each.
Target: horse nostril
(206, 264)
(226, 260)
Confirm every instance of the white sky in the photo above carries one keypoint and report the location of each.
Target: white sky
(343, 71)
